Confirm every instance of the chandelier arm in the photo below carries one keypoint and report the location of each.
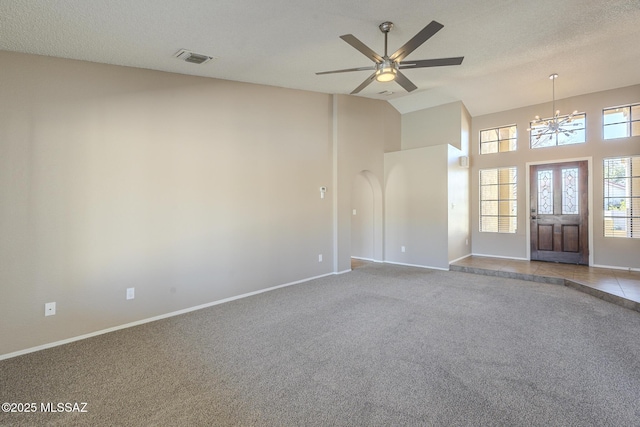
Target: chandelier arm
(568, 121)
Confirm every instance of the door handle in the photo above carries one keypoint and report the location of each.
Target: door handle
(534, 217)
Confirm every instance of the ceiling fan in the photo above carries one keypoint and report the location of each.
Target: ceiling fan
(387, 68)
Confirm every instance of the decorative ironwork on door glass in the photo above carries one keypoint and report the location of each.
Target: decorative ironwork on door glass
(545, 192)
(570, 191)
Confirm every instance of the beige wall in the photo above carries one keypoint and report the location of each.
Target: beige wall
(194, 190)
(365, 131)
(416, 213)
(443, 124)
(189, 189)
(427, 191)
(616, 252)
(362, 218)
(459, 192)
(458, 244)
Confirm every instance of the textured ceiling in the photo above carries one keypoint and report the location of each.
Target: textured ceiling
(510, 47)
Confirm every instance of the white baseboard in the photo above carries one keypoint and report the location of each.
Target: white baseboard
(613, 267)
(159, 317)
(460, 259)
(367, 259)
(499, 256)
(419, 266)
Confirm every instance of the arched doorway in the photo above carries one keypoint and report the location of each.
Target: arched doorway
(366, 217)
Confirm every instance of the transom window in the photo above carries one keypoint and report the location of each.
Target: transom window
(498, 140)
(498, 200)
(549, 138)
(622, 197)
(621, 122)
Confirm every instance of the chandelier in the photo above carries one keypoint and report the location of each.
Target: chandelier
(545, 129)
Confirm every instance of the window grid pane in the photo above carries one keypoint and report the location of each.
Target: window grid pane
(622, 197)
(635, 120)
(500, 139)
(489, 147)
(615, 115)
(498, 200)
(617, 130)
(621, 122)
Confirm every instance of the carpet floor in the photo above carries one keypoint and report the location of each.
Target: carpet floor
(382, 345)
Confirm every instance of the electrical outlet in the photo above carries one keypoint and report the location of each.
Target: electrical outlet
(50, 309)
(320, 258)
(131, 293)
(402, 249)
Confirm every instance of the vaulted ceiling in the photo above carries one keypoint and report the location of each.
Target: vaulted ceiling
(510, 47)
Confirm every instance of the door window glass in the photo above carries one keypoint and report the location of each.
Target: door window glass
(570, 191)
(545, 192)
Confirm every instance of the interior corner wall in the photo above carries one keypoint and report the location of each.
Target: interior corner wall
(433, 126)
(459, 193)
(366, 129)
(458, 206)
(465, 130)
(191, 190)
(416, 200)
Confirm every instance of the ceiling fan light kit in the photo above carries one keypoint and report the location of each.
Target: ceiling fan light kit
(386, 71)
(387, 68)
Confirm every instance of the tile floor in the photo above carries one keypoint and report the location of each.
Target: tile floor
(620, 287)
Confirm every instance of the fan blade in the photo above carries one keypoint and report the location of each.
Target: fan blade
(363, 48)
(425, 34)
(372, 67)
(365, 83)
(422, 63)
(405, 82)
